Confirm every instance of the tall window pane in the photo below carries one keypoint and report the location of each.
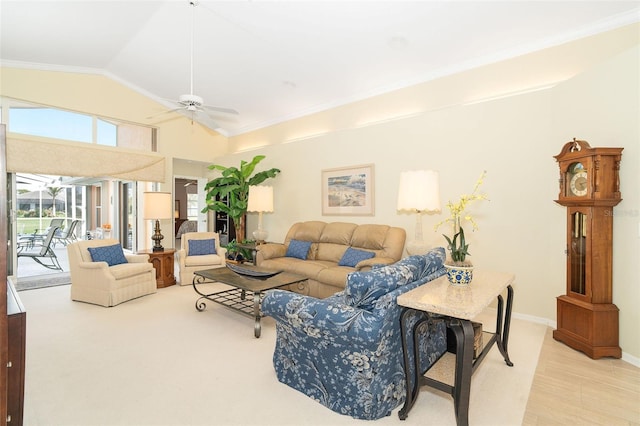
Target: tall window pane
(192, 206)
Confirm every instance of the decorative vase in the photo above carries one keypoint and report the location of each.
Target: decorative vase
(459, 275)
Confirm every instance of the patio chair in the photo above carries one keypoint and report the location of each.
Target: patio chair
(45, 256)
(67, 235)
(38, 238)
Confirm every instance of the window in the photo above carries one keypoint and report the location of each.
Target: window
(31, 119)
(52, 123)
(192, 206)
(107, 133)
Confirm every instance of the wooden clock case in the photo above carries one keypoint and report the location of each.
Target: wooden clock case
(587, 319)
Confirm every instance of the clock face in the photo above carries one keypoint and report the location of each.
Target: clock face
(578, 184)
(577, 178)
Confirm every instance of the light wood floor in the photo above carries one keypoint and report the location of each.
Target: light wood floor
(569, 388)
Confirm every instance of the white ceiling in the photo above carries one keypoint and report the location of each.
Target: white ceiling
(277, 60)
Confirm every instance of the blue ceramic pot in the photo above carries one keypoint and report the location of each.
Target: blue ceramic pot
(459, 275)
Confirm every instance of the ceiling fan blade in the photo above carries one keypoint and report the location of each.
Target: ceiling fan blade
(201, 117)
(163, 113)
(220, 109)
(206, 120)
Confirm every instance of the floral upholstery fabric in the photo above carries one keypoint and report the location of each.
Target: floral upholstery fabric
(346, 351)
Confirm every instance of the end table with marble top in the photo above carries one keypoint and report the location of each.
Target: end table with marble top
(457, 306)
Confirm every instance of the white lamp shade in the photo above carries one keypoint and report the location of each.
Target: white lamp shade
(158, 205)
(419, 190)
(260, 199)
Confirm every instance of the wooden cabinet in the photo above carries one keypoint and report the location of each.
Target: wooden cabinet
(17, 325)
(163, 262)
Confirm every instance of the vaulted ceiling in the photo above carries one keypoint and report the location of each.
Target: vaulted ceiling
(276, 60)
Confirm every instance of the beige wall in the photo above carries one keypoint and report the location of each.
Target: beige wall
(514, 138)
(436, 125)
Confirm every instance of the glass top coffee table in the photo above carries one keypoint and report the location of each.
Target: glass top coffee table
(247, 292)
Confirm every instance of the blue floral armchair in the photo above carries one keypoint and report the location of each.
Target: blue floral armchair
(345, 351)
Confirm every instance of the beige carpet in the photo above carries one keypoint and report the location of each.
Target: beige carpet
(157, 361)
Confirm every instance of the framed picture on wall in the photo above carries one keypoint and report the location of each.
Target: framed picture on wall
(348, 191)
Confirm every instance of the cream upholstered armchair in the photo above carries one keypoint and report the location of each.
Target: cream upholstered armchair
(198, 252)
(113, 277)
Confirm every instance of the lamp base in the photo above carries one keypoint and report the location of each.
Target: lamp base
(260, 235)
(157, 237)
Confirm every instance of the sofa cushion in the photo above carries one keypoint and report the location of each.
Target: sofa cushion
(370, 236)
(308, 268)
(298, 249)
(337, 233)
(335, 276)
(113, 254)
(352, 257)
(306, 231)
(329, 251)
(202, 247)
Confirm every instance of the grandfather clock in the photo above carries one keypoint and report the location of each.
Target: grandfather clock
(589, 188)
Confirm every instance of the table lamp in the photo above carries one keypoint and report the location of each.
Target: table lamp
(157, 206)
(419, 192)
(260, 200)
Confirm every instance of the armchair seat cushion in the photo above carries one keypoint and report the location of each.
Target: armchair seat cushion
(125, 270)
(203, 260)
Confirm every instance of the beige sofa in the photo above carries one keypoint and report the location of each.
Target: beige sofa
(100, 284)
(329, 243)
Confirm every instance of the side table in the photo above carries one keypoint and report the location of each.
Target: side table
(163, 263)
(254, 250)
(457, 306)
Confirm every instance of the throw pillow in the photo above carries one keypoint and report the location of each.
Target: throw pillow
(113, 255)
(352, 257)
(202, 247)
(298, 249)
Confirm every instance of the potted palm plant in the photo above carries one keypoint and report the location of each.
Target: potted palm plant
(233, 186)
(459, 268)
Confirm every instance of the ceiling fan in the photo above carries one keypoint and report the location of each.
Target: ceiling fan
(193, 105)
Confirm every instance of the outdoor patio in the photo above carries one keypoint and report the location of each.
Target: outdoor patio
(28, 267)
